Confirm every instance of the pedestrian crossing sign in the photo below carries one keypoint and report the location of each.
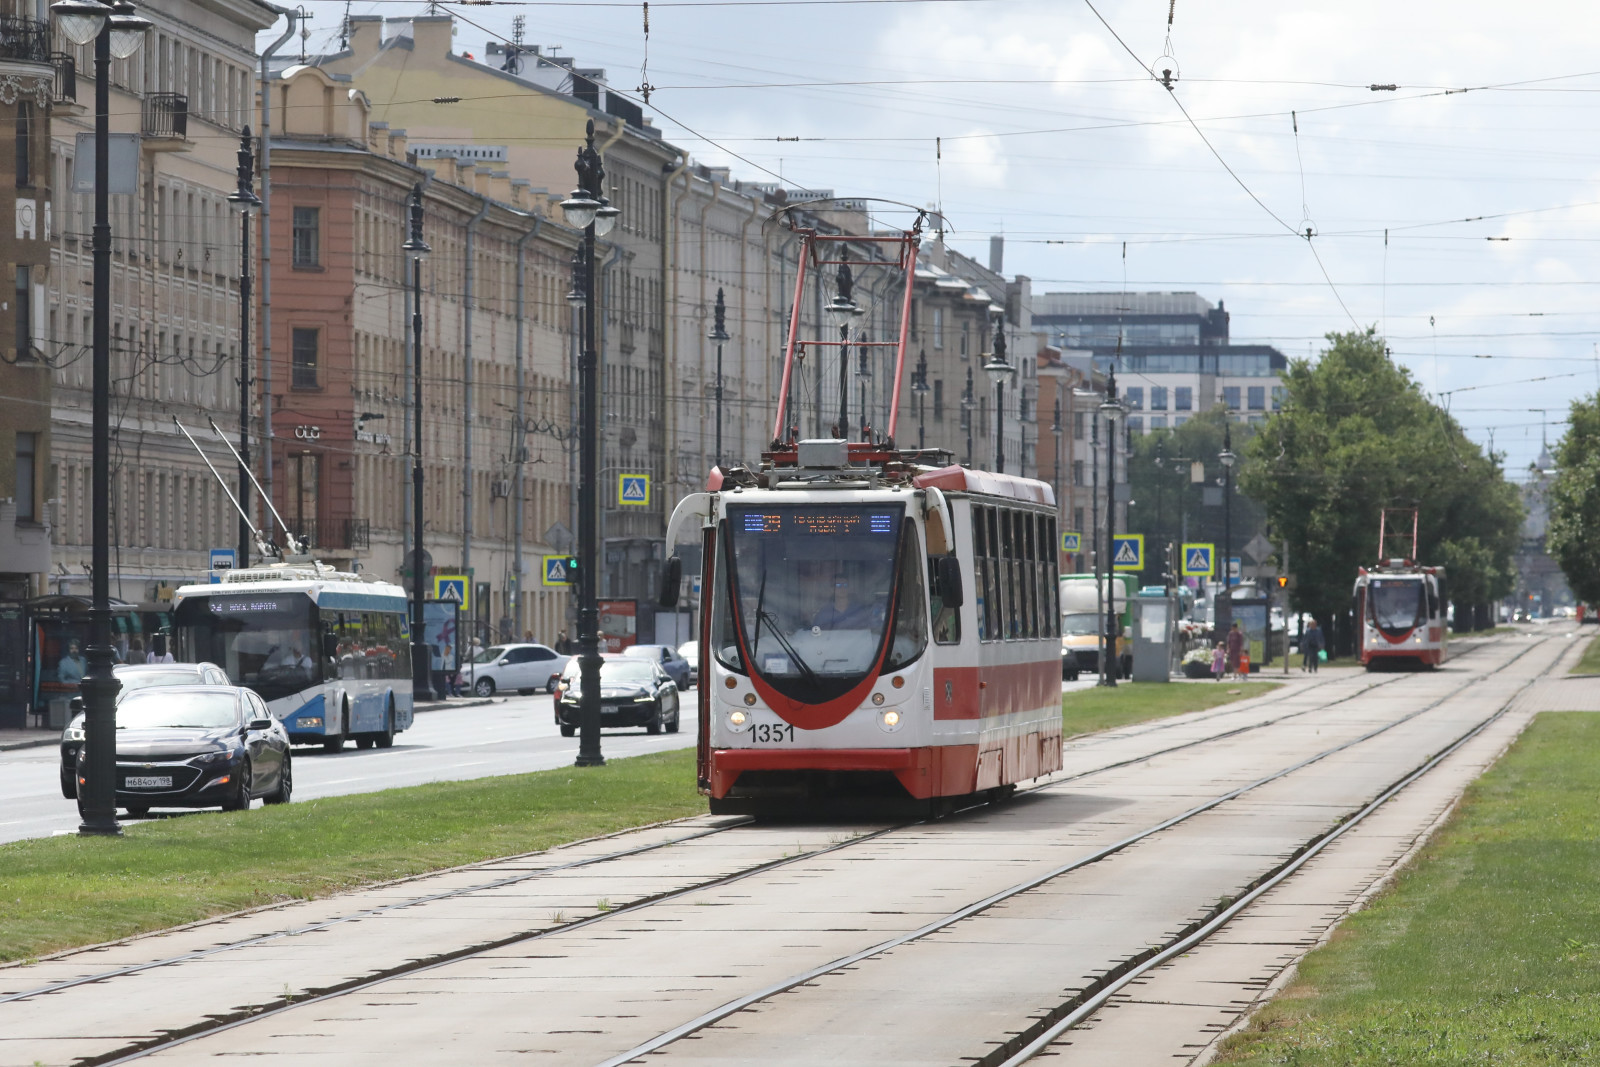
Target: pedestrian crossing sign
(633, 489)
(555, 571)
(1072, 542)
(1127, 552)
(453, 589)
(1199, 560)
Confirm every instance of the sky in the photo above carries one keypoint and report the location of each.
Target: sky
(1458, 213)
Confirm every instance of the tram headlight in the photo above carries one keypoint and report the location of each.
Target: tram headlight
(889, 720)
(738, 721)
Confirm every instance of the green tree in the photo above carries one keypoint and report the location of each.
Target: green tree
(1573, 536)
(1356, 435)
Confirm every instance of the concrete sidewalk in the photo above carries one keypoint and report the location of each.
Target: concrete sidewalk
(28, 738)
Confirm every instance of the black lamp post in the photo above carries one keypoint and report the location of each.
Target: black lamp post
(967, 404)
(116, 32)
(919, 385)
(1161, 461)
(719, 334)
(1113, 410)
(841, 309)
(1227, 458)
(244, 200)
(999, 372)
(589, 210)
(1055, 467)
(416, 249)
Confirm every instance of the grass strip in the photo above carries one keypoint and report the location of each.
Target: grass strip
(61, 892)
(1485, 950)
(1085, 711)
(1589, 662)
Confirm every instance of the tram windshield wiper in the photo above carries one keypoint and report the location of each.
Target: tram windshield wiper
(788, 647)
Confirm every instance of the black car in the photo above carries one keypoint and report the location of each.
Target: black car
(633, 692)
(198, 747)
(133, 676)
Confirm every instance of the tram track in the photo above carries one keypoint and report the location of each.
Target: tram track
(216, 1024)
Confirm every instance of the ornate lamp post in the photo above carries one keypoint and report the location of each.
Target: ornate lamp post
(842, 309)
(589, 210)
(719, 334)
(416, 249)
(999, 372)
(244, 200)
(919, 385)
(1113, 410)
(116, 32)
(968, 403)
(1227, 459)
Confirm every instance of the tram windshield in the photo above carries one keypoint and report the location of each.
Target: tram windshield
(1397, 605)
(813, 589)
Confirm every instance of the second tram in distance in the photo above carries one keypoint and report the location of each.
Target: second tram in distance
(873, 628)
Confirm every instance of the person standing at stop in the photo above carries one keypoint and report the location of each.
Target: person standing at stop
(1235, 647)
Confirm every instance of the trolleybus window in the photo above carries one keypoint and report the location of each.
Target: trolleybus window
(1397, 604)
(813, 589)
(265, 641)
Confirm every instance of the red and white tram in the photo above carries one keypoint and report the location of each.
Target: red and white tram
(1400, 608)
(876, 623)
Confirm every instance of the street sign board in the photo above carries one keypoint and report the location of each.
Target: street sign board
(1127, 552)
(1258, 548)
(224, 559)
(555, 571)
(453, 589)
(633, 489)
(1072, 542)
(1235, 568)
(1199, 560)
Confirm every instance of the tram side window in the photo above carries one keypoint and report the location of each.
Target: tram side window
(980, 571)
(1052, 588)
(723, 640)
(1029, 576)
(1008, 569)
(910, 635)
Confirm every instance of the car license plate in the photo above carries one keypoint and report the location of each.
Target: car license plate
(148, 781)
(608, 709)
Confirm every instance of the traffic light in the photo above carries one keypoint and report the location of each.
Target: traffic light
(571, 564)
(1283, 581)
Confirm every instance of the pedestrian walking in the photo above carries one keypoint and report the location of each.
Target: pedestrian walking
(1219, 660)
(1235, 647)
(1311, 647)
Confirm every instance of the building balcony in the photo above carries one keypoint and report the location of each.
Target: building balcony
(166, 119)
(25, 40)
(66, 87)
(342, 535)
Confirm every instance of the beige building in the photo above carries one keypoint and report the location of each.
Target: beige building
(178, 105)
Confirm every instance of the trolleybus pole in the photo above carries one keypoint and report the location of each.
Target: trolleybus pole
(1112, 409)
(416, 249)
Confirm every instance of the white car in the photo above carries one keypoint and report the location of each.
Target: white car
(690, 650)
(520, 668)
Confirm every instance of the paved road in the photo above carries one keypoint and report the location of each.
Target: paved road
(510, 736)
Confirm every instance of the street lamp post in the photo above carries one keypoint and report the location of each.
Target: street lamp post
(244, 200)
(1161, 459)
(1055, 466)
(416, 249)
(999, 372)
(1113, 410)
(842, 309)
(719, 334)
(116, 32)
(1227, 458)
(589, 210)
(967, 404)
(919, 385)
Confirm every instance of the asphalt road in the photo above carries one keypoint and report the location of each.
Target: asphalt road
(510, 736)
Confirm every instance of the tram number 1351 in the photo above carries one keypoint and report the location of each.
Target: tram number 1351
(771, 733)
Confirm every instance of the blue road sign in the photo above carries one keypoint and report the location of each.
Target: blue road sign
(1072, 542)
(224, 559)
(1199, 560)
(1127, 552)
(555, 571)
(453, 589)
(633, 489)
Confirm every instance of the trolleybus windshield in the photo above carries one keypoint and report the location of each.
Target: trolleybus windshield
(264, 640)
(1397, 604)
(813, 588)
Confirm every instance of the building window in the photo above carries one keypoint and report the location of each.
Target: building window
(1180, 420)
(966, 337)
(1158, 398)
(1278, 393)
(1230, 397)
(1183, 398)
(938, 400)
(1077, 521)
(1158, 422)
(1256, 397)
(24, 313)
(1079, 419)
(938, 327)
(305, 359)
(1135, 397)
(24, 144)
(1077, 474)
(27, 444)
(307, 236)
(1136, 424)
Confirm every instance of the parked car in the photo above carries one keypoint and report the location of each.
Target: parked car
(133, 676)
(690, 650)
(634, 691)
(198, 747)
(669, 658)
(521, 668)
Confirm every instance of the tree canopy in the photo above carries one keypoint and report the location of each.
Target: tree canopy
(1356, 435)
(1573, 536)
